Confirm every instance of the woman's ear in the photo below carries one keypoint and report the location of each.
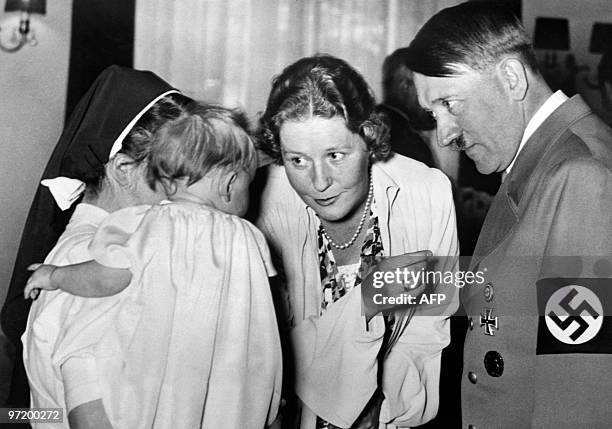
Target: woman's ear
(121, 168)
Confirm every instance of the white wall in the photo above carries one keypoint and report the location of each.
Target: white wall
(581, 16)
(33, 85)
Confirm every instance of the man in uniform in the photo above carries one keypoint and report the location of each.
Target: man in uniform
(539, 345)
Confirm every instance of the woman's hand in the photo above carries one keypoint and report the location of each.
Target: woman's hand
(391, 278)
(40, 279)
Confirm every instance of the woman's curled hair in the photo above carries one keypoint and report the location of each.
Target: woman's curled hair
(326, 87)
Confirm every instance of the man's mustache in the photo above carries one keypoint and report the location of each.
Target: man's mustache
(458, 143)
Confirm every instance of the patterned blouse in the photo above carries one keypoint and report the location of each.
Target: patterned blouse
(334, 283)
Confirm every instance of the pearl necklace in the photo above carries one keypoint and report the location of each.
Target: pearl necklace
(366, 210)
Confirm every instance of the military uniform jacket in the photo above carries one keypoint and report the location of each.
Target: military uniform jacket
(545, 250)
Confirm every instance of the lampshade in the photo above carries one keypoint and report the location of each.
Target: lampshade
(601, 38)
(551, 34)
(31, 6)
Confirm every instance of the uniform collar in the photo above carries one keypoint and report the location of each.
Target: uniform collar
(550, 105)
(540, 142)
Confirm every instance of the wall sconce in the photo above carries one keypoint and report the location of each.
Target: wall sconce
(23, 34)
(551, 34)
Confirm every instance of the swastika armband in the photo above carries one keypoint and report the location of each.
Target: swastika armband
(575, 315)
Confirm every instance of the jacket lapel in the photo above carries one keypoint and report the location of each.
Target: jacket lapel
(502, 216)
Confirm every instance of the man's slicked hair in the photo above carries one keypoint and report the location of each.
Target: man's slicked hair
(476, 34)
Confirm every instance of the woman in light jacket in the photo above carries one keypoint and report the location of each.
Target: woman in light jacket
(337, 207)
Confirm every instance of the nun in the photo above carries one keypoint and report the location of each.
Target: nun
(99, 163)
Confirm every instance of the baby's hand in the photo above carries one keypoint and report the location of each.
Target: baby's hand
(40, 279)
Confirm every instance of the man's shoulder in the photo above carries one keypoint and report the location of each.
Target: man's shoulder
(592, 135)
(577, 132)
(585, 168)
(585, 142)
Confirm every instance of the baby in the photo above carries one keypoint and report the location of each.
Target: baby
(193, 165)
(196, 331)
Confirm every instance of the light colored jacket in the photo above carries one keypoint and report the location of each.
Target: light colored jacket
(335, 357)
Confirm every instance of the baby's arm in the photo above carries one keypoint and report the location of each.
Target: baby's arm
(87, 279)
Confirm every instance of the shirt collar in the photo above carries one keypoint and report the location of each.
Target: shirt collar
(549, 106)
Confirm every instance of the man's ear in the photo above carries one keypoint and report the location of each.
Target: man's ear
(514, 77)
(226, 185)
(121, 168)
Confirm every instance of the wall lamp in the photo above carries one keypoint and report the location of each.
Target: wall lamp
(551, 34)
(23, 34)
(601, 42)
